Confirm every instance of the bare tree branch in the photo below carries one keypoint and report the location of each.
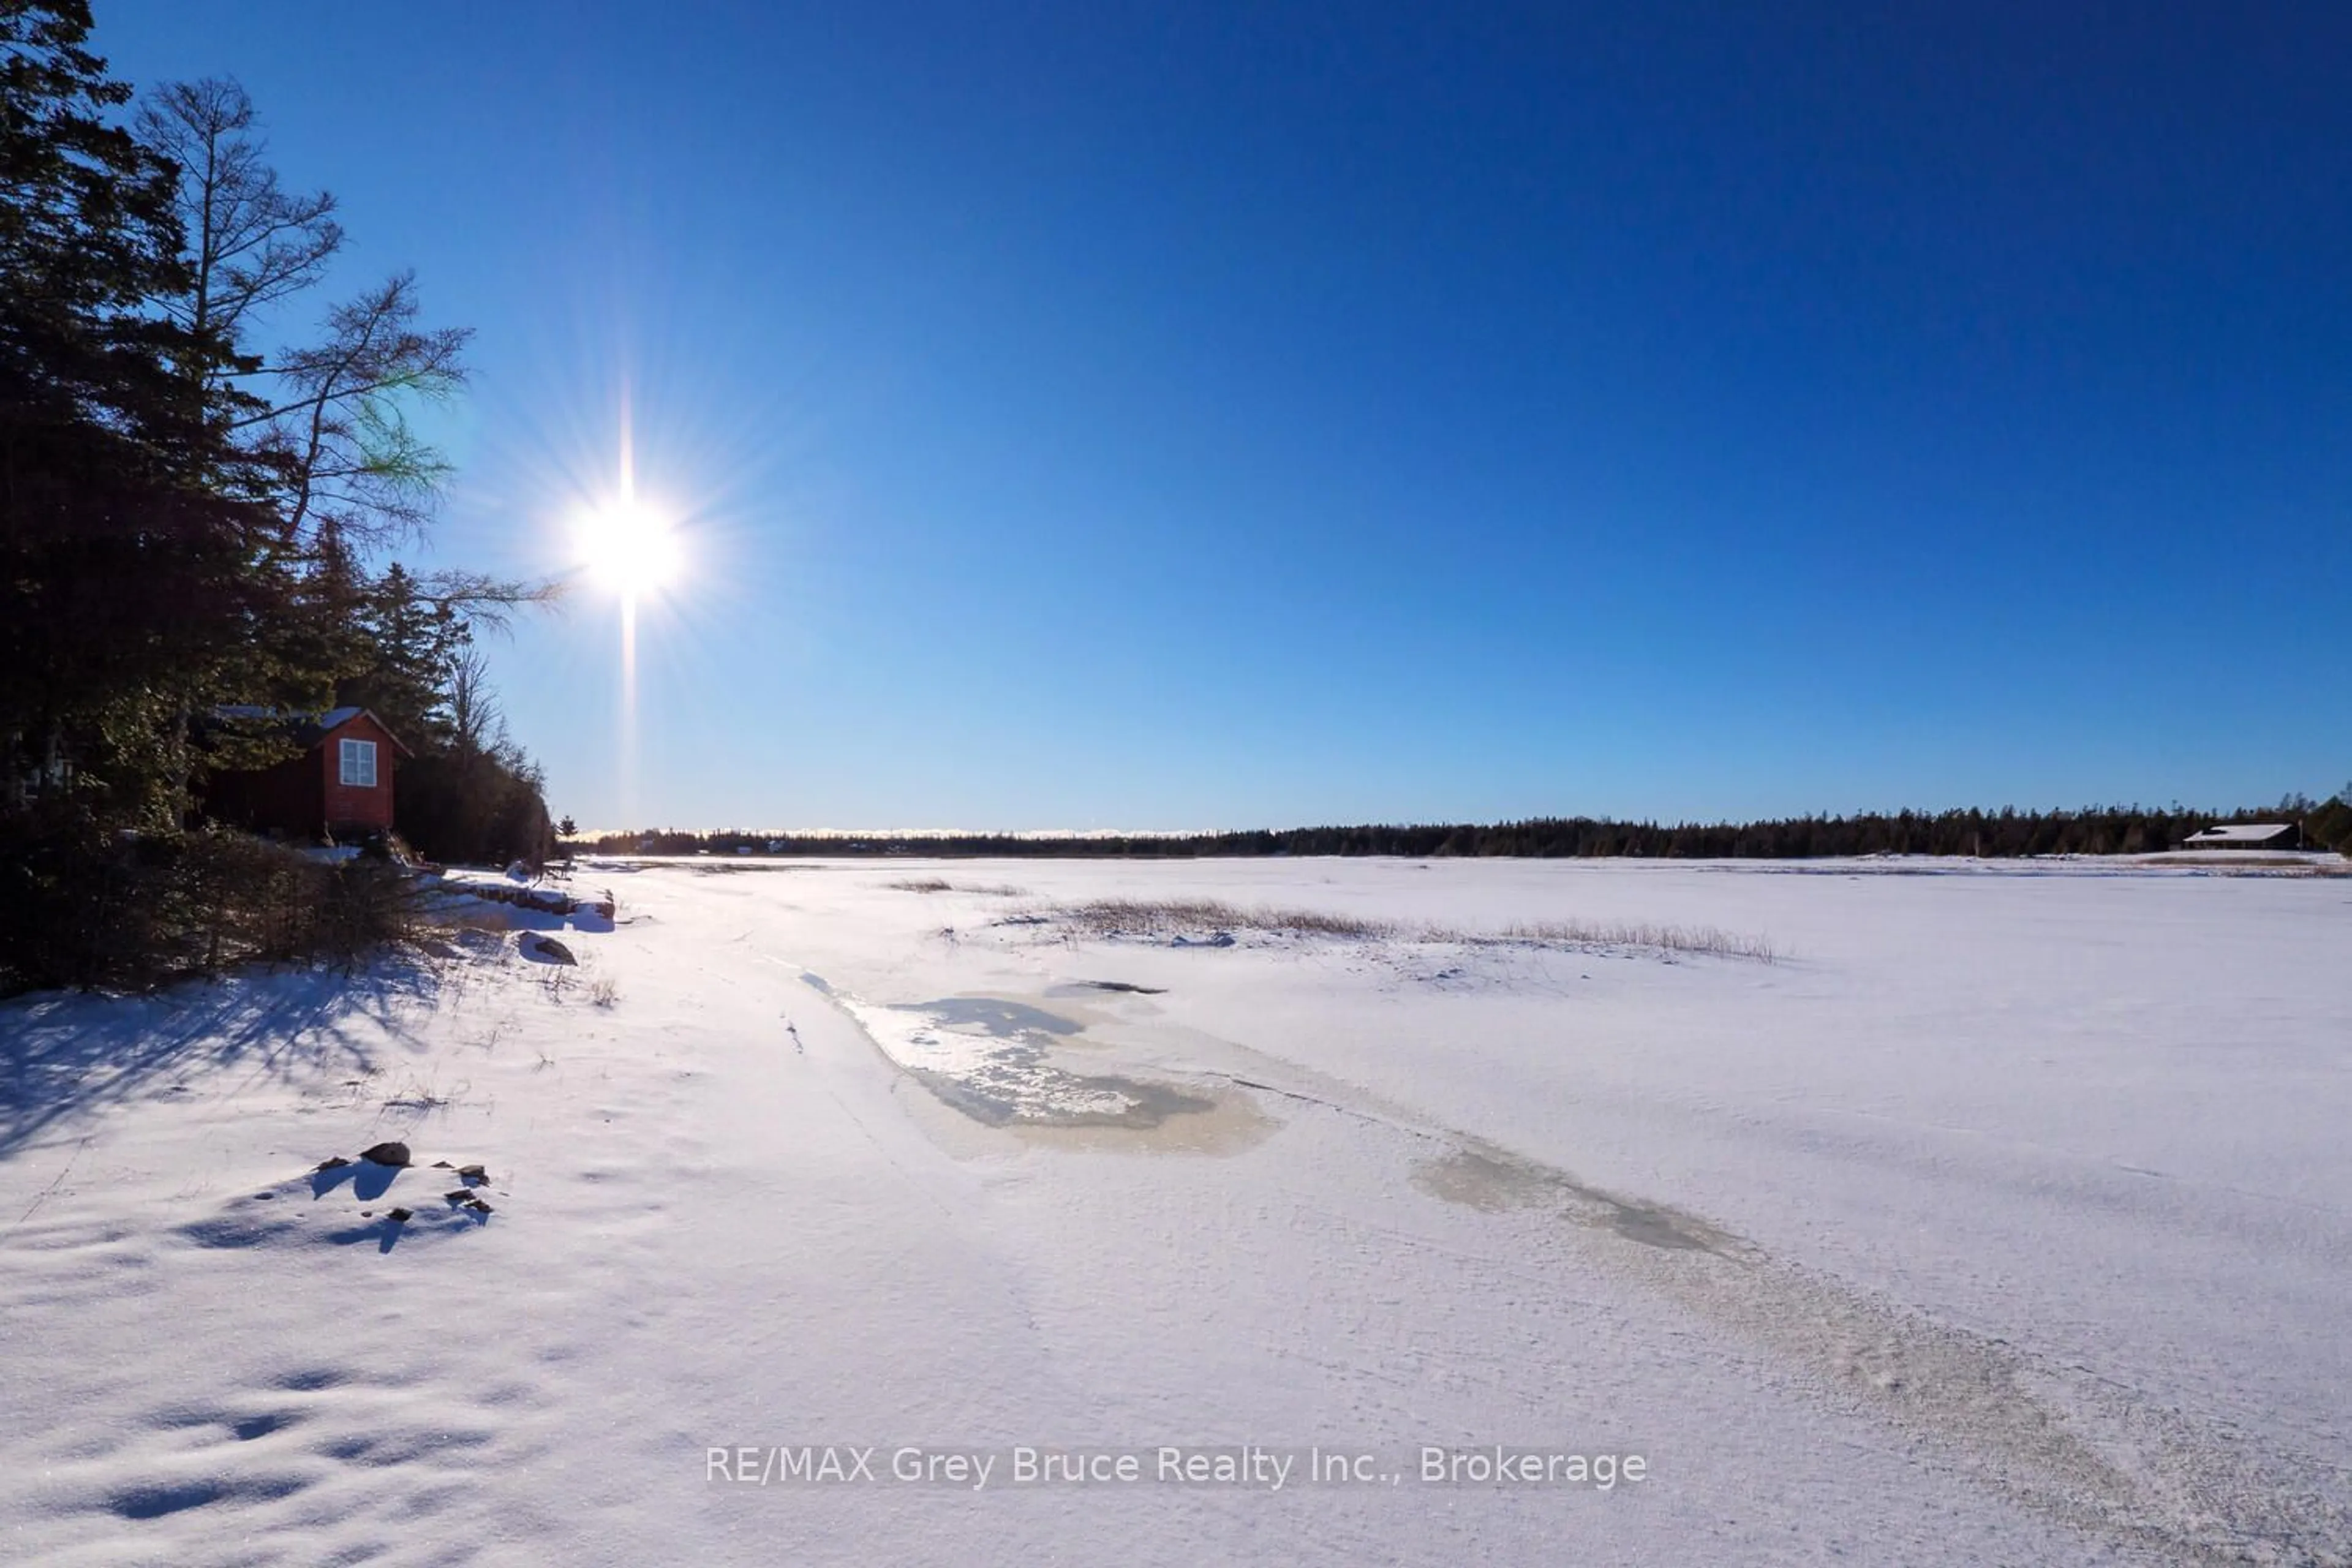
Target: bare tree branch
(251, 243)
(327, 425)
(478, 600)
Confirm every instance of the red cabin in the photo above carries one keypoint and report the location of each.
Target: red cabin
(339, 787)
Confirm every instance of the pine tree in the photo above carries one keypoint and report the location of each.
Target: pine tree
(127, 575)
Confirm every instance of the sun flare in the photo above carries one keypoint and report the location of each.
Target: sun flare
(629, 547)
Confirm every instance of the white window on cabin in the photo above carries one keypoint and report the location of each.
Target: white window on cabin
(359, 763)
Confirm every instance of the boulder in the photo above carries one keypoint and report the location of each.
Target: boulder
(386, 1155)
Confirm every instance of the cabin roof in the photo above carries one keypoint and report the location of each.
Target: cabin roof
(310, 729)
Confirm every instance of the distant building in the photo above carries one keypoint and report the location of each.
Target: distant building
(2247, 836)
(339, 787)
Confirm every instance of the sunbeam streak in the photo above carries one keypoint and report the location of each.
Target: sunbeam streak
(627, 767)
(630, 548)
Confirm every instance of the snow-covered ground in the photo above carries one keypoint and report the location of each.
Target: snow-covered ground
(2005, 1216)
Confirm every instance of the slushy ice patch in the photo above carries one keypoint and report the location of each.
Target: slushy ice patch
(989, 1058)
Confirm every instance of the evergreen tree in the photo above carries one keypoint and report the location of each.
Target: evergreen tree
(129, 549)
(185, 511)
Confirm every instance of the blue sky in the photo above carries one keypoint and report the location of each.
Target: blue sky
(1096, 416)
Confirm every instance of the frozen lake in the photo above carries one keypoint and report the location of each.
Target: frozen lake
(1884, 1210)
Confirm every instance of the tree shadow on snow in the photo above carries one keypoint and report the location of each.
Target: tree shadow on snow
(64, 1055)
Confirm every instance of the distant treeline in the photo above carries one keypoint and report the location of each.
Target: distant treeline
(2004, 834)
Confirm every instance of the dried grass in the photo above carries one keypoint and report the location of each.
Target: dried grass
(1709, 939)
(1164, 918)
(2243, 864)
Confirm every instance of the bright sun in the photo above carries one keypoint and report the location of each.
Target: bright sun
(629, 547)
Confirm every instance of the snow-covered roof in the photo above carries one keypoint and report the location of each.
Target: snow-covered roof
(2241, 832)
